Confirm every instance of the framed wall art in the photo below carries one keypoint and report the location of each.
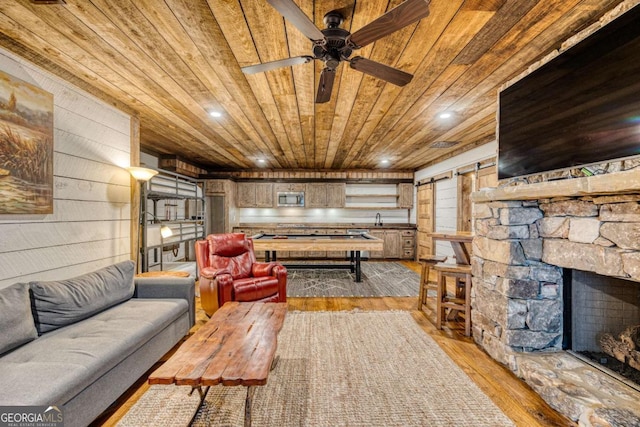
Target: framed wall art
(26, 147)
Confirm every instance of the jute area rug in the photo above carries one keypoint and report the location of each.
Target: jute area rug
(379, 279)
(354, 368)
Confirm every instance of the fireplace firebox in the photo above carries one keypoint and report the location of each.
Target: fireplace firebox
(602, 323)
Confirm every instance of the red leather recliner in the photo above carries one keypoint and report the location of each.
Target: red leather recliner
(229, 272)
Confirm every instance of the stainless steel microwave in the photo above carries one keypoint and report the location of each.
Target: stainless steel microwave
(291, 198)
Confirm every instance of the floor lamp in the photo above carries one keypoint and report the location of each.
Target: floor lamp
(142, 175)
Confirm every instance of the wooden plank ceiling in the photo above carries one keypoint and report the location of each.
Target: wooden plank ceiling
(172, 62)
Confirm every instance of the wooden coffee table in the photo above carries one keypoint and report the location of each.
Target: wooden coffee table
(236, 346)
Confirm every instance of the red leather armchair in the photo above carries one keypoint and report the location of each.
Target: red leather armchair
(229, 272)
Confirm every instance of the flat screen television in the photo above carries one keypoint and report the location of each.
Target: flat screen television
(580, 108)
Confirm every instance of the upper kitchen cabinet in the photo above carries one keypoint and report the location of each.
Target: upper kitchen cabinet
(405, 196)
(255, 195)
(322, 195)
(288, 187)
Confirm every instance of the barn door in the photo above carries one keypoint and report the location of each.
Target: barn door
(425, 219)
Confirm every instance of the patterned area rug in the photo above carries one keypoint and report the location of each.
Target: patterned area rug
(379, 279)
(355, 368)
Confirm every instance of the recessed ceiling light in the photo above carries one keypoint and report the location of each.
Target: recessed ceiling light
(215, 114)
(384, 161)
(445, 115)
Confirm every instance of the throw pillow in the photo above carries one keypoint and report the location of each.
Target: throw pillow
(16, 320)
(63, 302)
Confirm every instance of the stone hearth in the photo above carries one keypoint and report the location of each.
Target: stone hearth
(525, 236)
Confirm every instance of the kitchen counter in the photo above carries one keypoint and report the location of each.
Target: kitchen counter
(304, 226)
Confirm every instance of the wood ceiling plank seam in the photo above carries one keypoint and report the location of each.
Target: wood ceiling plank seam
(203, 72)
(487, 114)
(380, 52)
(461, 133)
(411, 121)
(131, 93)
(363, 13)
(229, 16)
(323, 113)
(175, 73)
(322, 137)
(466, 24)
(267, 27)
(12, 45)
(489, 77)
(383, 53)
(494, 90)
(482, 79)
(432, 26)
(74, 63)
(258, 138)
(505, 18)
(431, 94)
(303, 78)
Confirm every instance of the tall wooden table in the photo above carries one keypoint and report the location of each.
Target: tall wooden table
(236, 346)
(458, 241)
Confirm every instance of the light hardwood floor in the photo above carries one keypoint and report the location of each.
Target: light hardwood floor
(517, 400)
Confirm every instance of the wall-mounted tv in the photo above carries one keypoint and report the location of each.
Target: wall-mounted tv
(582, 107)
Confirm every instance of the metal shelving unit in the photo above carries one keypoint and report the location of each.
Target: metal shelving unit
(175, 201)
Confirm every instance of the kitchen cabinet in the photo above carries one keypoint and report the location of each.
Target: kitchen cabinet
(405, 196)
(392, 244)
(408, 244)
(292, 187)
(255, 195)
(336, 197)
(322, 195)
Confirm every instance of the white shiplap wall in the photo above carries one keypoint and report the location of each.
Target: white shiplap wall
(89, 227)
(447, 190)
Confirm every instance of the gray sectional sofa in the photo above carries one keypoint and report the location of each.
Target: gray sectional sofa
(80, 343)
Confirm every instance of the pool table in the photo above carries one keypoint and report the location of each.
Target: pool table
(354, 243)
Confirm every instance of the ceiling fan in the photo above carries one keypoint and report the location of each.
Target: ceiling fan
(334, 44)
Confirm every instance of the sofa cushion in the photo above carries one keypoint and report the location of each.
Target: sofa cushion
(63, 302)
(16, 320)
(57, 366)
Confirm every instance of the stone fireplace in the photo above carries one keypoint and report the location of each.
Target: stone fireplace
(530, 240)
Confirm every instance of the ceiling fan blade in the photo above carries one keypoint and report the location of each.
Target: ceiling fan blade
(268, 66)
(381, 71)
(325, 85)
(397, 18)
(296, 16)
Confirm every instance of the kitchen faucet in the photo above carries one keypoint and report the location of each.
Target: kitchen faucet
(378, 220)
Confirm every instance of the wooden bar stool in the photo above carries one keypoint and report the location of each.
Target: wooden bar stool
(427, 262)
(460, 272)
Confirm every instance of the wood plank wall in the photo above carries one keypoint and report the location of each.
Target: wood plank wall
(90, 224)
